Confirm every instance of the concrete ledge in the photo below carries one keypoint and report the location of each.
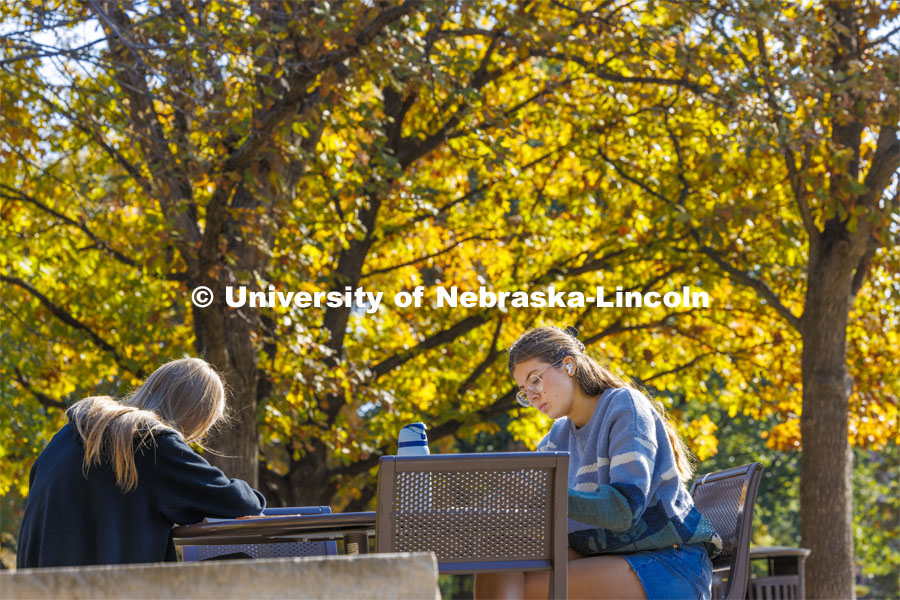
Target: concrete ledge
(376, 576)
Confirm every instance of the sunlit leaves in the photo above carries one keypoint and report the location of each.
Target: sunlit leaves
(504, 146)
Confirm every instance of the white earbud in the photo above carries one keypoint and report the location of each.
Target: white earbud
(569, 369)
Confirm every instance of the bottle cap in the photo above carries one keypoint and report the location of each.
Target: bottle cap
(412, 440)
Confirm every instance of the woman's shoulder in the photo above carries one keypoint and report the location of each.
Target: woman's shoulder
(627, 399)
(66, 440)
(557, 438)
(160, 438)
(626, 393)
(166, 435)
(630, 405)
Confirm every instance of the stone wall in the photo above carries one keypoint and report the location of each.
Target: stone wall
(375, 576)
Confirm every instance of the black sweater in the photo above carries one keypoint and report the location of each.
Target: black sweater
(71, 519)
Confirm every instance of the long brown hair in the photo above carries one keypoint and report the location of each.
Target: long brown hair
(552, 344)
(184, 395)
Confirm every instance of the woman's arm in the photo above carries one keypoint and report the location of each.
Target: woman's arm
(187, 489)
(632, 453)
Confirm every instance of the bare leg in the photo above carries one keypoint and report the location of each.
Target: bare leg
(509, 585)
(591, 577)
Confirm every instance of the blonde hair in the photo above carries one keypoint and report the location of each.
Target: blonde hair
(185, 395)
(552, 345)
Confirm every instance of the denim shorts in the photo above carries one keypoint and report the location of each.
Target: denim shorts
(673, 573)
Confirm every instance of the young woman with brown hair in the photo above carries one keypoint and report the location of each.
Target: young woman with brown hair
(633, 531)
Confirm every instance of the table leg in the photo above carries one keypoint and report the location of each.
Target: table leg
(356, 543)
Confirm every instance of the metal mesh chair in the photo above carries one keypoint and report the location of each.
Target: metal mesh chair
(726, 498)
(273, 550)
(478, 512)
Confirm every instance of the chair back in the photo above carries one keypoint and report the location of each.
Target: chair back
(726, 498)
(504, 511)
(273, 550)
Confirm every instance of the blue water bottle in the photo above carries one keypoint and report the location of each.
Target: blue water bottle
(412, 440)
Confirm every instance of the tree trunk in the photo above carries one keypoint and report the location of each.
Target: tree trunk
(227, 337)
(224, 339)
(826, 463)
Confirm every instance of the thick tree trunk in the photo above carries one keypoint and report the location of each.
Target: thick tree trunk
(224, 339)
(826, 463)
(228, 337)
(309, 478)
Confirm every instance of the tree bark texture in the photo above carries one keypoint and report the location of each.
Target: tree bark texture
(826, 463)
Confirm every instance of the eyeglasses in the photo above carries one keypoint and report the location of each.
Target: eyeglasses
(534, 385)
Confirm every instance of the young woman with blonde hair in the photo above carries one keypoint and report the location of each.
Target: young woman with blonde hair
(112, 482)
(633, 530)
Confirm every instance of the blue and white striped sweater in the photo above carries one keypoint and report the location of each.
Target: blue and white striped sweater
(624, 491)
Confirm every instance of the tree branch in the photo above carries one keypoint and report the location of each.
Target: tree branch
(679, 368)
(795, 178)
(862, 270)
(466, 197)
(884, 164)
(146, 119)
(298, 83)
(14, 194)
(500, 405)
(441, 337)
(68, 319)
(762, 290)
(426, 257)
(39, 396)
(736, 275)
(602, 73)
(489, 358)
(412, 151)
(633, 180)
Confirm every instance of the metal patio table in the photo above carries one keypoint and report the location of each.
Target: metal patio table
(354, 528)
